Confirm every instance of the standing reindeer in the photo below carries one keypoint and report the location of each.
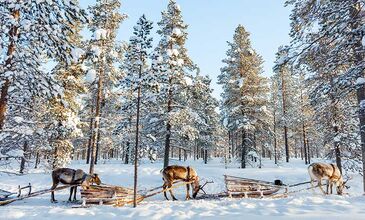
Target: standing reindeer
(329, 172)
(69, 176)
(186, 174)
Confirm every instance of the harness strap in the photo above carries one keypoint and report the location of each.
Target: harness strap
(334, 169)
(82, 179)
(188, 174)
(73, 176)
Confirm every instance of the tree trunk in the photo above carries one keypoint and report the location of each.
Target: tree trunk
(90, 142)
(36, 160)
(97, 118)
(304, 144)
(283, 90)
(308, 151)
(168, 126)
(22, 162)
(275, 141)
(244, 151)
(126, 160)
(205, 156)
(13, 37)
(97, 146)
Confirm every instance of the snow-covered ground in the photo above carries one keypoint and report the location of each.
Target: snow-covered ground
(302, 205)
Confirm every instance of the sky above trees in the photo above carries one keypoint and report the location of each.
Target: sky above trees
(212, 23)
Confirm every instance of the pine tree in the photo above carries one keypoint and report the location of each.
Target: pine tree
(23, 80)
(173, 65)
(245, 91)
(22, 22)
(104, 24)
(136, 78)
(334, 52)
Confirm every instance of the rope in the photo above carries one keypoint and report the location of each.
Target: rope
(167, 189)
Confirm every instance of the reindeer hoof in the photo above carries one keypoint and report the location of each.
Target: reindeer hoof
(174, 199)
(54, 201)
(187, 198)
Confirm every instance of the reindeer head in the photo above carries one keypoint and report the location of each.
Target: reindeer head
(196, 187)
(341, 185)
(95, 179)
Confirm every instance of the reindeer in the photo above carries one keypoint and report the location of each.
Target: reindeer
(329, 172)
(186, 174)
(69, 176)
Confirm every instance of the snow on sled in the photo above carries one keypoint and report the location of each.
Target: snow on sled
(239, 187)
(108, 195)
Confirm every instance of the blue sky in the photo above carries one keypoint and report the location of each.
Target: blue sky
(212, 24)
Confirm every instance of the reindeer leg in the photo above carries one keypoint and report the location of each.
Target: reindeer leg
(327, 187)
(320, 186)
(75, 191)
(331, 187)
(171, 193)
(71, 190)
(187, 192)
(55, 183)
(164, 186)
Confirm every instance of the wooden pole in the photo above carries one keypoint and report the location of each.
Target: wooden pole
(137, 140)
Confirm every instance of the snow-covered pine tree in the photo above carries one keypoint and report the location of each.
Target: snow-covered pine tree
(204, 121)
(244, 97)
(174, 65)
(65, 124)
(338, 39)
(33, 31)
(103, 53)
(286, 92)
(136, 79)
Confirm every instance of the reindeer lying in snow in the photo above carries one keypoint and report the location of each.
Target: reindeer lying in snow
(186, 174)
(69, 176)
(329, 172)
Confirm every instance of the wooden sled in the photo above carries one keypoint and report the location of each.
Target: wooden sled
(108, 195)
(239, 187)
(120, 196)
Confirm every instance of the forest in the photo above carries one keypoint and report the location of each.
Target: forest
(67, 96)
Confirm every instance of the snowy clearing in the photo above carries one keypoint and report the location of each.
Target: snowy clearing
(303, 205)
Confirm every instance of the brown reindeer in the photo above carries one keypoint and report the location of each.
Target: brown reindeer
(69, 176)
(186, 174)
(329, 172)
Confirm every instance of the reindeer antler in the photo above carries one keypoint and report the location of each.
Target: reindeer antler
(202, 186)
(348, 178)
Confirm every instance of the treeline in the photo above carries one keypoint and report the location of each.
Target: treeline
(66, 97)
(312, 106)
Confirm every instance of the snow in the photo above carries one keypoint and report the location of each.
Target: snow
(177, 7)
(100, 34)
(96, 50)
(90, 76)
(188, 81)
(360, 81)
(363, 41)
(177, 32)
(303, 205)
(76, 54)
(18, 119)
(153, 138)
